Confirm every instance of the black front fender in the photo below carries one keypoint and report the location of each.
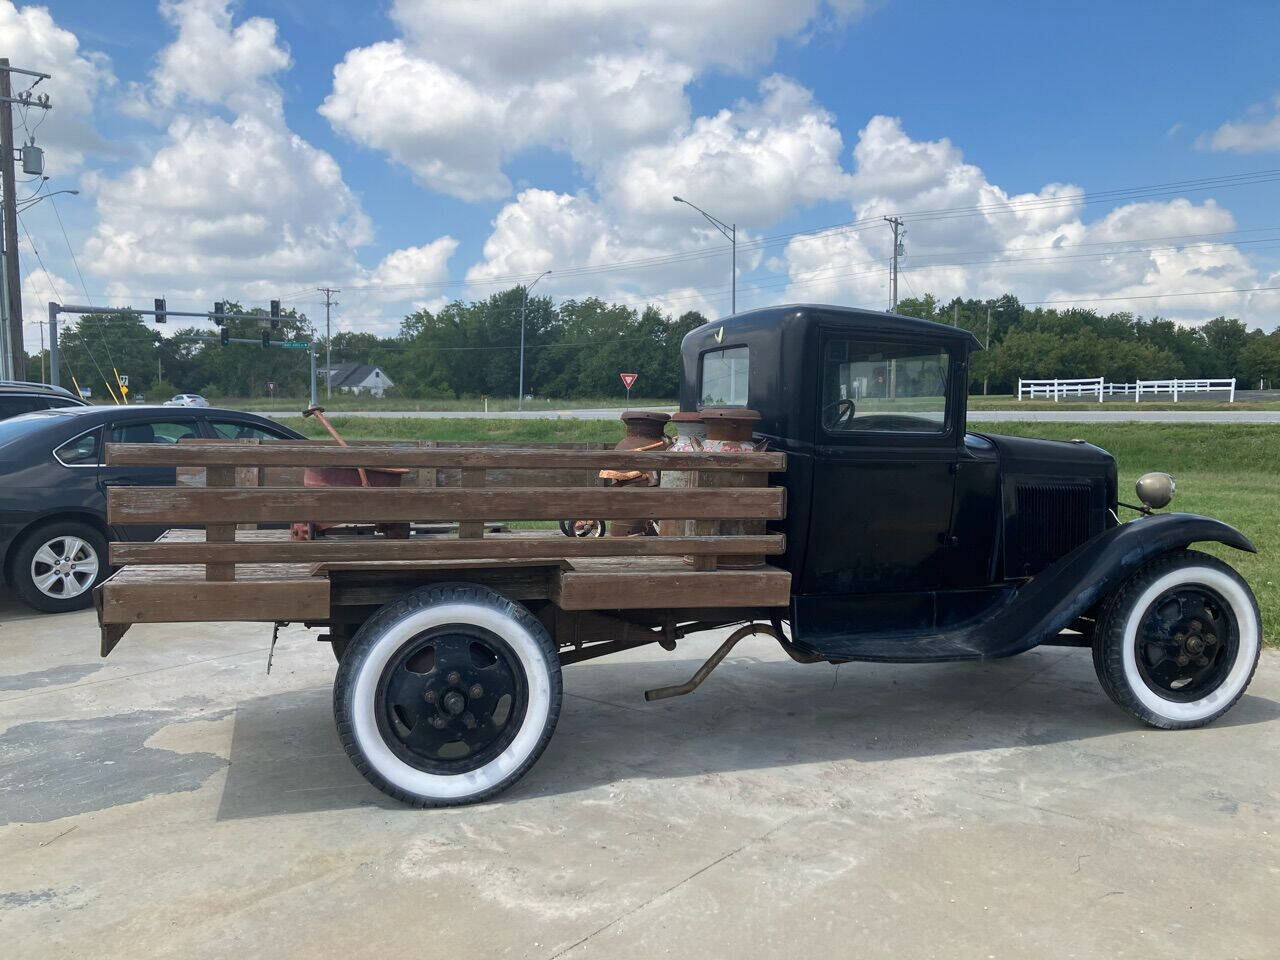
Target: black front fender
(1038, 610)
(1075, 584)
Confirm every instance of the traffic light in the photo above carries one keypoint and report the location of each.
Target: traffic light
(266, 338)
(218, 311)
(275, 314)
(225, 336)
(160, 311)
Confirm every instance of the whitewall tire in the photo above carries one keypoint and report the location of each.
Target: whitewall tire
(1177, 644)
(448, 695)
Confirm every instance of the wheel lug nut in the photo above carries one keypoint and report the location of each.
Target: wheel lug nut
(475, 691)
(1183, 659)
(429, 696)
(468, 721)
(1210, 639)
(454, 678)
(437, 722)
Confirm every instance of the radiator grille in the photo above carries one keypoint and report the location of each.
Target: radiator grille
(1050, 520)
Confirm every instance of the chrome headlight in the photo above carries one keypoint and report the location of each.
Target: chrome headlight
(1156, 490)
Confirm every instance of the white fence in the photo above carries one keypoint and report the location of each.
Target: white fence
(1098, 387)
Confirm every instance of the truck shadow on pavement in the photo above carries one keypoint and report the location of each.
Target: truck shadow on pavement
(750, 715)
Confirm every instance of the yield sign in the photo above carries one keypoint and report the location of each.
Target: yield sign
(628, 379)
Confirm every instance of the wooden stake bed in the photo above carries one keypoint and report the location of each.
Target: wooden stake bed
(234, 573)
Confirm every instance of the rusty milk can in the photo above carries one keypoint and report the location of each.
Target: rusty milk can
(729, 431)
(690, 432)
(645, 431)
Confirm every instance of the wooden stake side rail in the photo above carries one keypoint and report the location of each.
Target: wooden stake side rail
(322, 455)
(209, 505)
(228, 571)
(369, 549)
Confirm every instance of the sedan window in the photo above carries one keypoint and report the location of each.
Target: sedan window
(80, 452)
(13, 406)
(153, 431)
(237, 430)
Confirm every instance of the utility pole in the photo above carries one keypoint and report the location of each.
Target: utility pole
(328, 351)
(523, 309)
(32, 162)
(898, 250)
(312, 351)
(986, 377)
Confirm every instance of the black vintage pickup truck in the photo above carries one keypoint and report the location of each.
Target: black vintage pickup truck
(891, 532)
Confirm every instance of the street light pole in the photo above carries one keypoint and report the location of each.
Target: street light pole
(524, 307)
(730, 233)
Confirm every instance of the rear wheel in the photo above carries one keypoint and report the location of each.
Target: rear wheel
(448, 695)
(1178, 643)
(55, 567)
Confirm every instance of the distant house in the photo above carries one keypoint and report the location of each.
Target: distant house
(357, 378)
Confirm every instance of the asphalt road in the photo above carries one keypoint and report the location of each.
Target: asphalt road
(175, 801)
(1046, 416)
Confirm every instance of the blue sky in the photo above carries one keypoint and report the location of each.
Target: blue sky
(977, 104)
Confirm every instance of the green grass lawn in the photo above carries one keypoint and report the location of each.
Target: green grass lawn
(1213, 401)
(340, 402)
(498, 405)
(1227, 471)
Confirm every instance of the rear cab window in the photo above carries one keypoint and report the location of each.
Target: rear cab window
(724, 377)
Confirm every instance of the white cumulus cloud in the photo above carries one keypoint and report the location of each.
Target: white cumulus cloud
(1259, 132)
(33, 40)
(468, 86)
(212, 61)
(233, 203)
(969, 237)
(755, 163)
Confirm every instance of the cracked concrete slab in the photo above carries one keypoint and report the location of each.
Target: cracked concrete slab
(964, 810)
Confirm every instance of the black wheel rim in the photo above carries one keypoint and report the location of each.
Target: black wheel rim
(1187, 643)
(452, 699)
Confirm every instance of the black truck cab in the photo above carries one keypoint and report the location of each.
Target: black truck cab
(907, 537)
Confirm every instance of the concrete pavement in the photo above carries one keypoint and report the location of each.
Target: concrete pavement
(175, 801)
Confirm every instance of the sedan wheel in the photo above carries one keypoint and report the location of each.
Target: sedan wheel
(56, 567)
(64, 567)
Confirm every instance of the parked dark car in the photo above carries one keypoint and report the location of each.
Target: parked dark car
(18, 397)
(53, 503)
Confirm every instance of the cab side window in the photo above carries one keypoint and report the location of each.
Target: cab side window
(884, 387)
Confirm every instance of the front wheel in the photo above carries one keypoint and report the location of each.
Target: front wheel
(1178, 643)
(448, 695)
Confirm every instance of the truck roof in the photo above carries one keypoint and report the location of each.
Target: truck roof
(854, 318)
